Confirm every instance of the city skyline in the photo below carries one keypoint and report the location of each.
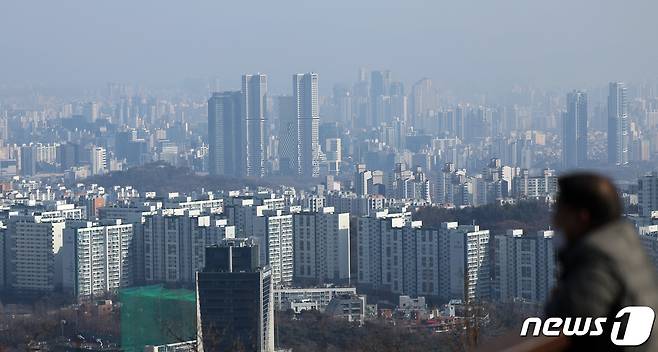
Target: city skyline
(334, 175)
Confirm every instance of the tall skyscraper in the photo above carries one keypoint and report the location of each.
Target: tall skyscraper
(460, 122)
(380, 83)
(380, 86)
(574, 134)
(28, 161)
(91, 111)
(225, 134)
(423, 98)
(305, 90)
(4, 129)
(617, 124)
(399, 103)
(234, 300)
(288, 136)
(254, 95)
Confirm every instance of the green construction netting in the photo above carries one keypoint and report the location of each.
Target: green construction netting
(154, 315)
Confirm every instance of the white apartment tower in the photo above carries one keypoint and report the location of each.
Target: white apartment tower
(97, 258)
(175, 242)
(273, 232)
(322, 246)
(98, 160)
(33, 258)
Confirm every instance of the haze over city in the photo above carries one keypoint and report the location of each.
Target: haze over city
(469, 46)
(328, 175)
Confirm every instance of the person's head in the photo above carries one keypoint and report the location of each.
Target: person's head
(585, 201)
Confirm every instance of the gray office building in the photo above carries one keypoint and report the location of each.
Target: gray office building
(574, 134)
(28, 162)
(225, 134)
(288, 139)
(234, 299)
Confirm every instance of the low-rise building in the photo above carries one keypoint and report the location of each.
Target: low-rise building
(284, 297)
(348, 306)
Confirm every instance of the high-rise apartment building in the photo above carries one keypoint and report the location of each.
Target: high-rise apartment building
(322, 246)
(523, 266)
(97, 258)
(467, 247)
(254, 106)
(234, 300)
(305, 92)
(618, 130)
(98, 160)
(574, 133)
(526, 186)
(363, 182)
(33, 259)
(135, 215)
(647, 194)
(273, 232)
(225, 134)
(174, 244)
(401, 256)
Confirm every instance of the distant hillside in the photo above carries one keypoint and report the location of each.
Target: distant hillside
(162, 177)
(531, 216)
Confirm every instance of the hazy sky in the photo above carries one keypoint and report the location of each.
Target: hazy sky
(458, 43)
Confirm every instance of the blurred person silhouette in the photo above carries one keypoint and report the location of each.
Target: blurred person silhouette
(603, 266)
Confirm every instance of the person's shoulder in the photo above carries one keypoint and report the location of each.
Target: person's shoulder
(618, 247)
(613, 238)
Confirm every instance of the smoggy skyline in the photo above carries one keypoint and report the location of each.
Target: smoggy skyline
(466, 45)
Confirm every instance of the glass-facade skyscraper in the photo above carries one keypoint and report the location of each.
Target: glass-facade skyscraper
(574, 134)
(254, 106)
(617, 124)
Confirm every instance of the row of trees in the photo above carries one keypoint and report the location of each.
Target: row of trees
(531, 216)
